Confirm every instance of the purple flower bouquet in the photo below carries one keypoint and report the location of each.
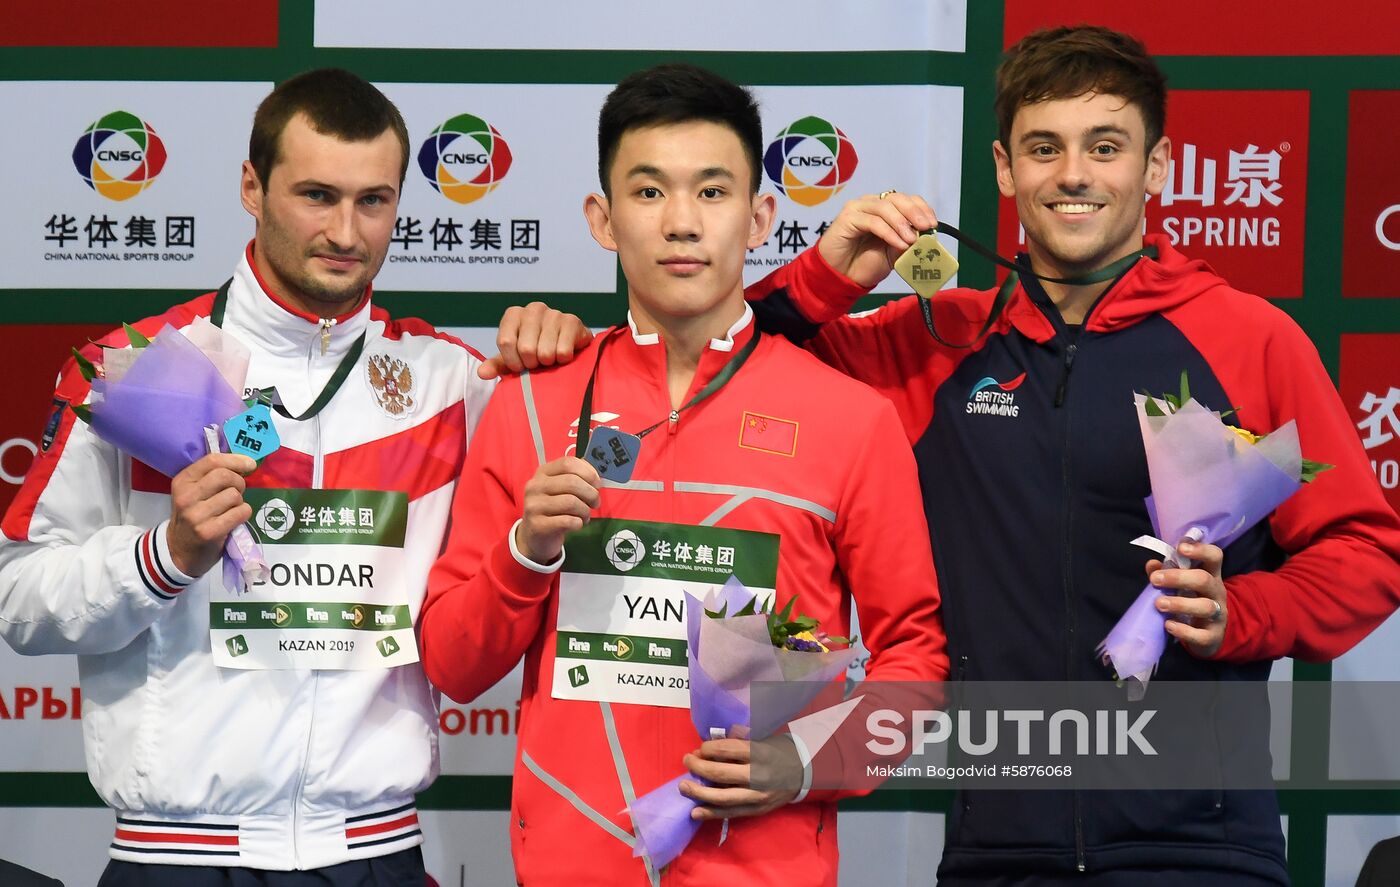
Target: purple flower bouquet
(154, 400)
(1210, 483)
(732, 644)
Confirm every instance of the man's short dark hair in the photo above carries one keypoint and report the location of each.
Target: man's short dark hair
(336, 103)
(1061, 63)
(669, 94)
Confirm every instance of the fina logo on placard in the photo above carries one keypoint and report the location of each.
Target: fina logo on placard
(119, 156)
(464, 159)
(810, 161)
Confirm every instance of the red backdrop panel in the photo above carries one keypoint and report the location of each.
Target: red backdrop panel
(1235, 28)
(149, 23)
(1371, 222)
(29, 364)
(1370, 386)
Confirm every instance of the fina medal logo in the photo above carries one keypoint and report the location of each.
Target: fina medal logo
(464, 159)
(810, 161)
(119, 156)
(625, 550)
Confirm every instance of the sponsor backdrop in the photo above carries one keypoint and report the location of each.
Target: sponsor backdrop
(127, 133)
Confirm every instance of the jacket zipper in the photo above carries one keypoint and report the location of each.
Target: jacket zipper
(316, 480)
(1066, 553)
(316, 461)
(1066, 577)
(1070, 351)
(305, 766)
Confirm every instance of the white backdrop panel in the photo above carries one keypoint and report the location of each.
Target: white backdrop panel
(536, 145)
(815, 26)
(196, 225)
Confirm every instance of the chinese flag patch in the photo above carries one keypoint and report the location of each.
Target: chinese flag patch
(759, 432)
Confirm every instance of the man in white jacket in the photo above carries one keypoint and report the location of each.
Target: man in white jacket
(287, 727)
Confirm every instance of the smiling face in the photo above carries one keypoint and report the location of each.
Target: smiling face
(324, 216)
(1080, 169)
(681, 218)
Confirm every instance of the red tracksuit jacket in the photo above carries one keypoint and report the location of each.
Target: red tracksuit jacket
(845, 500)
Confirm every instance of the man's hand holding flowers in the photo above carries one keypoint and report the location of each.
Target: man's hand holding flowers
(726, 764)
(206, 504)
(1197, 611)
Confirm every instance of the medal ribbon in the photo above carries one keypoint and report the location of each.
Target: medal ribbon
(1108, 272)
(727, 372)
(269, 395)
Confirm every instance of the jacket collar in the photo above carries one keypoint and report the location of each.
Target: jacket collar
(637, 354)
(1151, 286)
(726, 344)
(269, 323)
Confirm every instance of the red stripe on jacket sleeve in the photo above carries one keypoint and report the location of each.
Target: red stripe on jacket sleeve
(72, 389)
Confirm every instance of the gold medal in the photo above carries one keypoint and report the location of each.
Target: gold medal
(926, 266)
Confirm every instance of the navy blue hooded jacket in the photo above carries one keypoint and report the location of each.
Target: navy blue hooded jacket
(1033, 477)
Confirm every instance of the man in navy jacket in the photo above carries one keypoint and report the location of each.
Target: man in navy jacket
(1031, 505)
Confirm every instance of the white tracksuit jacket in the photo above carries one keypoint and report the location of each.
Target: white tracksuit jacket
(272, 769)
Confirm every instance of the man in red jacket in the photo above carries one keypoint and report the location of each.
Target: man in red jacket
(755, 459)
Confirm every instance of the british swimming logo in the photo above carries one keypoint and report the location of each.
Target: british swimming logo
(992, 398)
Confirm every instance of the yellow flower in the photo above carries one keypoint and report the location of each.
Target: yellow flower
(1249, 436)
(808, 636)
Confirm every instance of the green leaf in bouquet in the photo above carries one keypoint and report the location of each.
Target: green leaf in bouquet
(1312, 468)
(1151, 407)
(135, 337)
(787, 611)
(82, 412)
(848, 642)
(1172, 402)
(718, 614)
(749, 609)
(1185, 389)
(84, 366)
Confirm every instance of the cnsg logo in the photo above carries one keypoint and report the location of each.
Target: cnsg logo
(275, 519)
(119, 156)
(465, 158)
(625, 550)
(810, 161)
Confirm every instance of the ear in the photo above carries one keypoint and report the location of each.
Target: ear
(598, 212)
(1005, 182)
(1159, 161)
(765, 208)
(250, 191)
